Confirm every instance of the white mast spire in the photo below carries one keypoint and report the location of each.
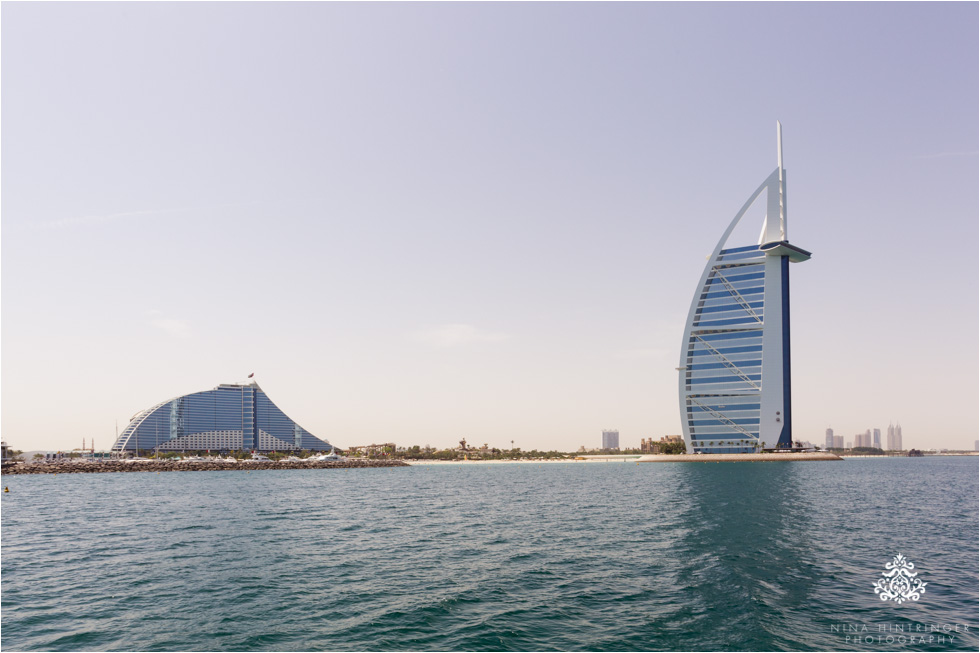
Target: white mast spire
(779, 148)
(774, 226)
(782, 181)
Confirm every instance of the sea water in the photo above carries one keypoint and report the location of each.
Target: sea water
(511, 557)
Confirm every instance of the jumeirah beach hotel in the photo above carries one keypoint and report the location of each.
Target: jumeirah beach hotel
(228, 418)
(735, 359)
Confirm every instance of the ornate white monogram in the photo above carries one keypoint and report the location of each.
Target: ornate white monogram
(899, 583)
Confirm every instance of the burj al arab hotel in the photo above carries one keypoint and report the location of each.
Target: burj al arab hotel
(734, 384)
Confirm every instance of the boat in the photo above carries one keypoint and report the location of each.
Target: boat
(333, 455)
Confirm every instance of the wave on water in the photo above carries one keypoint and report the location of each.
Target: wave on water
(613, 557)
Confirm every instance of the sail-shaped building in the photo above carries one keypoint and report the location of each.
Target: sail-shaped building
(735, 359)
(230, 417)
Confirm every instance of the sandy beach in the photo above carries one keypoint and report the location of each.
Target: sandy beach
(552, 461)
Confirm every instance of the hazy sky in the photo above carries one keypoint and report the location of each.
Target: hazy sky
(422, 222)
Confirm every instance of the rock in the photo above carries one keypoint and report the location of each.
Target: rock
(66, 467)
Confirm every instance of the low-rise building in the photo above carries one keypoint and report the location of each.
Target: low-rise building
(649, 446)
(372, 449)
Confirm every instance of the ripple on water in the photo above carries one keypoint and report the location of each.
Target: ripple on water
(518, 557)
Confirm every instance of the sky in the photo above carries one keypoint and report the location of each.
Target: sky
(417, 223)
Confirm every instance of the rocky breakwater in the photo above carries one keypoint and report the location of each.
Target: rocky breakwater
(66, 467)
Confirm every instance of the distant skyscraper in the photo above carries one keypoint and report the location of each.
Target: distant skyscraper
(890, 438)
(976, 445)
(876, 442)
(863, 439)
(610, 439)
(830, 439)
(898, 437)
(838, 442)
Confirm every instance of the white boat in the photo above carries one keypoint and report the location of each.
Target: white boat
(333, 455)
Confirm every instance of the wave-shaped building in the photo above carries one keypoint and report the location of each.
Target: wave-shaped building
(735, 359)
(228, 418)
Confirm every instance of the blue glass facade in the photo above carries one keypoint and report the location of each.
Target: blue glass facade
(734, 384)
(227, 418)
(723, 357)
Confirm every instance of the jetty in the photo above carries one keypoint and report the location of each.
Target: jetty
(789, 456)
(91, 467)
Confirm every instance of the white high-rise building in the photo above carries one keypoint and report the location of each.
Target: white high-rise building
(898, 438)
(838, 442)
(890, 438)
(734, 381)
(876, 439)
(610, 439)
(830, 439)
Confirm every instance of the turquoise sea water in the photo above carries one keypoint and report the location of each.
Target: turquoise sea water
(599, 556)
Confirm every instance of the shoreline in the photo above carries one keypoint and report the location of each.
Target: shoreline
(549, 461)
(117, 466)
(739, 457)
